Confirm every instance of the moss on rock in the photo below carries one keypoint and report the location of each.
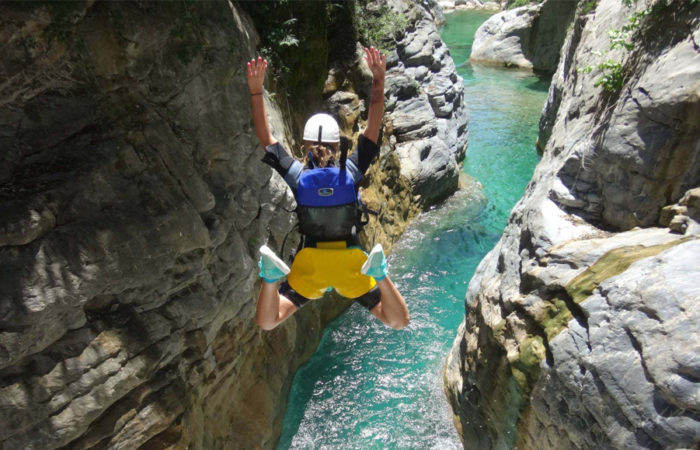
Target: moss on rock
(525, 367)
(611, 264)
(555, 318)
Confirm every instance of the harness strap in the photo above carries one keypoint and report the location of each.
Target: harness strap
(343, 154)
(284, 242)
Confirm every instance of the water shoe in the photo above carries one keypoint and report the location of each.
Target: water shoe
(271, 267)
(375, 266)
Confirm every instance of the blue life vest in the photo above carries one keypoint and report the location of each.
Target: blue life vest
(328, 204)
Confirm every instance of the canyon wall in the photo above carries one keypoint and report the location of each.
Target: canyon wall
(133, 203)
(581, 324)
(425, 123)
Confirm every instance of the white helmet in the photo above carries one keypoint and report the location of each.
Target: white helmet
(321, 128)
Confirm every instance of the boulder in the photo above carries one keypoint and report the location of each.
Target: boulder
(528, 37)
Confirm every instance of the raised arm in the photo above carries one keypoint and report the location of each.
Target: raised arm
(377, 65)
(256, 78)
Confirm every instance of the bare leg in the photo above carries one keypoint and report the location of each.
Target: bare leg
(391, 309)
(273, 308)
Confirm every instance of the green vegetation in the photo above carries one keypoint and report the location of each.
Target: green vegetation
(613, 75)
(61, 28)
(588, 6)
(612, 78)
(379, 27)
(283, 37)
(300, 41)
(277, 39)
(293, 36)
(622, 38)
(518, 3)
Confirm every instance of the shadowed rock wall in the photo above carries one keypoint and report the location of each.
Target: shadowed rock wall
(133, 202)
(580, 327)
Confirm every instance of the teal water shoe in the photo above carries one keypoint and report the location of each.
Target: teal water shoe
(375, 266)
(271, 267)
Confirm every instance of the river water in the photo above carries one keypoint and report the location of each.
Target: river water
(368, 386)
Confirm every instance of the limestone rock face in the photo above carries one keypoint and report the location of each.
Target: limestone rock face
(581, 329)
(623, 375)
(132, 206)
(427, 115)
(529, 37)
(132, 203)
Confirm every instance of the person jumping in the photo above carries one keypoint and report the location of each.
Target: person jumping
(325, 186)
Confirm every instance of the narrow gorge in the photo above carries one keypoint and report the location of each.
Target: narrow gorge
(368, 386)
(133, 202)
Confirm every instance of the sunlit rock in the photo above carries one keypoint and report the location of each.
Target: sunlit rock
(528, 37)
(579, 326)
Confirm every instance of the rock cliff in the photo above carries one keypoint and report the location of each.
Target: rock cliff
(581, 324)
(528, 37)
(132, 205)
(426, 113)
(426, 120)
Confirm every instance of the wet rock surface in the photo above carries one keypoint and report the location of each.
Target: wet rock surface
(578, 332)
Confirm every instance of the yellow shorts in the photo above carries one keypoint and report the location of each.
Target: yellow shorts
(330, 265)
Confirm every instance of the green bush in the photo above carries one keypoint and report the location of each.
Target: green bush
(278, 25)
(61, 28)
(518, 3)
(588, 5)
(379, 27)
(612, 77)
(297, 39)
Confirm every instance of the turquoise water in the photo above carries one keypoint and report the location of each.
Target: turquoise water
(368, 386)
